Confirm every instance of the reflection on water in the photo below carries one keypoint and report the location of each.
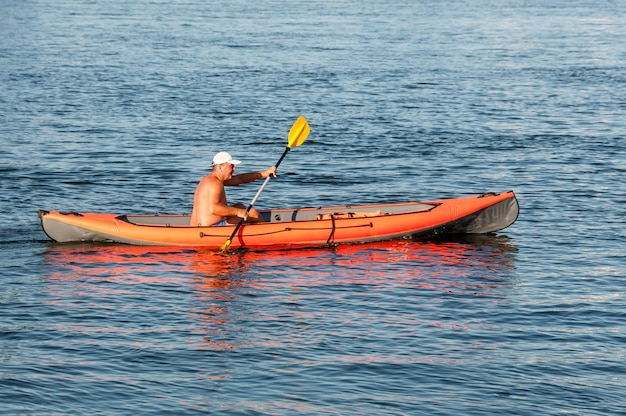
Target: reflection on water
(202, 322)
(225, 295)
(392, 262)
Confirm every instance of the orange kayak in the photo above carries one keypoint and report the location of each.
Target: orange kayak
(294, 227)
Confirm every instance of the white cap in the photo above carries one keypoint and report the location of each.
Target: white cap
(224, 157)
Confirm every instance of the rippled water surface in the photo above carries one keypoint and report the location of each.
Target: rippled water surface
(115, 106)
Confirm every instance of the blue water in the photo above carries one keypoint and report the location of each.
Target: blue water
(116, 106)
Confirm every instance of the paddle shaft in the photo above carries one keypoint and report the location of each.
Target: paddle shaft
(258, 193)
(297, 135)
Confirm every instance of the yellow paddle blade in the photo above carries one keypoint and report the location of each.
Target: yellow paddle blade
(225, 246)
(299, 132)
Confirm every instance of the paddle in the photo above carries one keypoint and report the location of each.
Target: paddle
(297, 135)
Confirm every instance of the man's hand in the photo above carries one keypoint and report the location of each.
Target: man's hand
(269, 172)
(254, 216)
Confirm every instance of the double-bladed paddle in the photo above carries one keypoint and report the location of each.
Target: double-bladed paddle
(297, 135)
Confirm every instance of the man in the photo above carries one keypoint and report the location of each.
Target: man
(210, 206)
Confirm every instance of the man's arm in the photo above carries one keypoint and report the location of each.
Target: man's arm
(250, 177)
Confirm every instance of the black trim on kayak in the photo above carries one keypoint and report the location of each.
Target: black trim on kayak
(464, 225)
(178, 220)
(74, 213)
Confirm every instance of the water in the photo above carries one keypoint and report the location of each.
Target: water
(119, 106)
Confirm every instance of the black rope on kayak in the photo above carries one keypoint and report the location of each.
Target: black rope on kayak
(369, 224)
(332, 231)
(202, 234)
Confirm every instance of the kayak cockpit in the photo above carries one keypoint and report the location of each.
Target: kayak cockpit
(290, 214)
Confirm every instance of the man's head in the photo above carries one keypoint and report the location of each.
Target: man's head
(224, 157)
(224, 165)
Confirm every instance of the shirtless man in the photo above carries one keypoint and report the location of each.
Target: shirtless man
(210, 206)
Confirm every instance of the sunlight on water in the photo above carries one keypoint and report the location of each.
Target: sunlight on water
(119, 107)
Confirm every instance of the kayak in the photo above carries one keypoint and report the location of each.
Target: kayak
(294, 227)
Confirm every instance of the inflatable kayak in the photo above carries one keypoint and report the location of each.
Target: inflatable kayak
(293, 227)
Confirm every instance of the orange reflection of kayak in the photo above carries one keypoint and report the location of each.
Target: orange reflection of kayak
(285, 228)
(386, 263)
(220, 291)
